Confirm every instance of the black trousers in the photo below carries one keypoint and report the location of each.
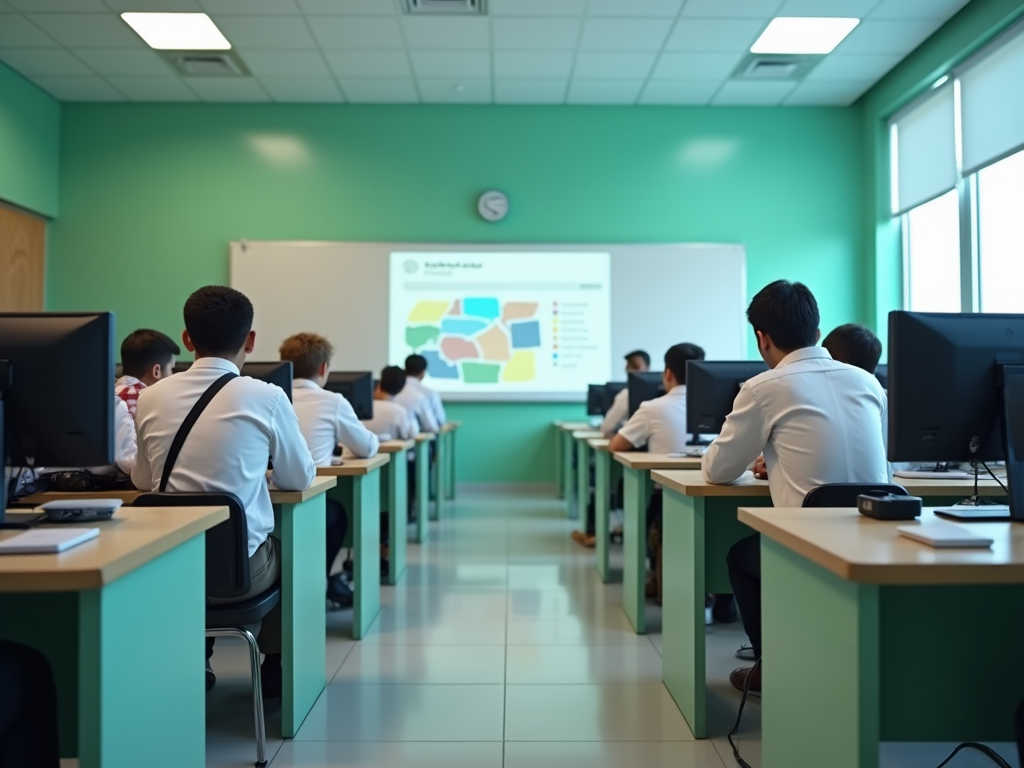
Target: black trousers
(337, 529)
(28, 709)
(744, 562)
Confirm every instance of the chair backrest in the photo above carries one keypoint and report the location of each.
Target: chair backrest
(227, 544)
(845, 494)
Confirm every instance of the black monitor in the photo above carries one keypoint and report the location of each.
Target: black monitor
(356, 387)
(644, 386)
(882, 374)
(595, 400)
(611, 389)
(49, 419)
(956, 391)
(279, 374)
(711, 388)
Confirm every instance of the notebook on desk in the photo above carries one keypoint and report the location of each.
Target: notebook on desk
(46, 540)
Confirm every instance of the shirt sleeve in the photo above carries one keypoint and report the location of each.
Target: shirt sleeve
(407, 426)
(294, 469)
(126, 447)
(616, 415)
(142, 472)
(744, 436)
(885, 433)
(426, 417)
(351, 433)
(439, 414)
(637, 430)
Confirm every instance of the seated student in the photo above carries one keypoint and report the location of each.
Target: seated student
(390, 420)
(816, 421)
(636, 362)
(421, 402)
(147, 356)
(326, 420)
(248, 423)
(854, 345)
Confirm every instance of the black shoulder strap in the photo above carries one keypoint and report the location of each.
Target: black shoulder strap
(188, 423)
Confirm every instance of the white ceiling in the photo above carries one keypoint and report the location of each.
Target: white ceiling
(521, 52)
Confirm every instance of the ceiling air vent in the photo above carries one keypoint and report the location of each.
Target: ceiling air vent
(428, 7)
(207, 63)
(768, 67)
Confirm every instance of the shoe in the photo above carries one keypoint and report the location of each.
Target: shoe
(272, 676)
(738, 678)
(339, 592)
(577, 536)
(724, 609)
(211, 679)
(589, 541)
(746, 653)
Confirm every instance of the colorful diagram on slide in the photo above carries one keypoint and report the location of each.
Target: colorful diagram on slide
(476, 340)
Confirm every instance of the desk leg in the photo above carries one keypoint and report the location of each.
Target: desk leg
(582, 484)
(568, 477)
(559, 465)
(301, 529)
(395, 477)
(602, 502)
(366, 551)
(422, 492)
(634, 547)
(439, 474)
(450, 481)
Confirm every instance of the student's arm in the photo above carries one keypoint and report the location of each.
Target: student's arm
(407, 427)
(634, 433)
(294, 469)
(142, 472)
(615, 416)
(126, 446)
(744, 435)
(426, 417)
(885, 433)
(351, 433)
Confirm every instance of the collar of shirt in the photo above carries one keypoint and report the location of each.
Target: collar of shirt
(305, 384)
(217, 363)
(129, 381)
(807, 353)
(679, 390)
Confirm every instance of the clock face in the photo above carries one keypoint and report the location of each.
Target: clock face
(493, 205)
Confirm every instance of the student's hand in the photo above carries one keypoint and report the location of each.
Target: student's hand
(760, 469)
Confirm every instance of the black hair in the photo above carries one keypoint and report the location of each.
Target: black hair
(415, 365)
(218, 319)
(392, 380)
(144, 348)
(854, 344)
(678, 355)
(787, 313)
(641, 354)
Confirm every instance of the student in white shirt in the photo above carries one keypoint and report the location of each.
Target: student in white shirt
(147, 356)
(854, 345)
(637, 361)
(390, 420)
(415, 397)
(248, 423)
(815, 420)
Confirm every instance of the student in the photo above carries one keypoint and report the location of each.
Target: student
(637, 361)
(147, 356)
(816, 421)
(855, 345)
(248, 423)
(327, 420)
(390, 420)
(421, 402)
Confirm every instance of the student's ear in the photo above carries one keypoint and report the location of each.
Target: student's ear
(819, 336)
(157, 372)
(323, 369)
(763, 342)
(187, 341)
(250, 342)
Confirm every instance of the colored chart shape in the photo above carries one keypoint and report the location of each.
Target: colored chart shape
(525, 335)
(417, 336)
(522, 367)
(456, 308)
(519, 310)
(455, 348)
(480, 373)
(438, 368)
(494, 344)
(452, 326)
(428, 311)
(487, 308)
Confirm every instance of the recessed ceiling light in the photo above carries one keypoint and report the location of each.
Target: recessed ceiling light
(791, 34)
(177, 31)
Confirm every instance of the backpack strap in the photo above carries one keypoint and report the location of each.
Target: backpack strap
(188, 423)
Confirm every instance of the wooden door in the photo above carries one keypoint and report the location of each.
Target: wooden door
(22, 261)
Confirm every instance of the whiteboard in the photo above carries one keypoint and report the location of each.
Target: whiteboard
(661, 295)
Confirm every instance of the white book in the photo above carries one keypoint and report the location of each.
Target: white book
(944, 535)
(46, 540)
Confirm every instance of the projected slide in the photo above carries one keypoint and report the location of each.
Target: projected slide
(494, 323)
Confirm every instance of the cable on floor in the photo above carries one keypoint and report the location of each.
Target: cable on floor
(739, 716)
(985, 750)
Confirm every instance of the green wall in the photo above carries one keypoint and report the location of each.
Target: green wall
(151, 195)
(29, 144)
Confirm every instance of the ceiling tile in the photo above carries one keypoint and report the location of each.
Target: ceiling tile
(856, 9)
(604, 91)
(736, 93)
(302, 89)
(878, 36)
(266, 32)
(537, 7)
(55, 6)
(854, 66)
(251, 7)
(44, 61)
(79, 88)
(536, 34)
(265, 64)
(173, 6)
(826, 94)
(87, 30)
(624, 34)
(635, 8)
(725, 35)
(452, 32)
(369, 63)
(470, 64)
(515, 90)
(679, 91)
(19, 32)
(348, 7)
(244, 89)
(613, 66)
(154, 88)
(333, 32)
(736, 9)
(917, 9)
(380, 90)
(447, 91)
(127, 62)
(533, 65)
(696, 66)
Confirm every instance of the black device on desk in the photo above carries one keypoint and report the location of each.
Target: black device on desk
(356, 387)
(46, 421)
(956, 393)
(644, 386)
(711, 388)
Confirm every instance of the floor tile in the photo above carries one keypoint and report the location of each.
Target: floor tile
(613, 629)
(428, 630)
(571, 664)
(604, 754)
(328, 754)
(424, 664)
(233, 754)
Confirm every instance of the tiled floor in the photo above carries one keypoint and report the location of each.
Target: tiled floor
(500, 648)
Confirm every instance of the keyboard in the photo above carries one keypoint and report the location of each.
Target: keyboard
(982, 514)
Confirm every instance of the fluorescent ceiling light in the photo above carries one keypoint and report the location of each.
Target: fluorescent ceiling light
(791, 34)
(177, 31)
(941, 81)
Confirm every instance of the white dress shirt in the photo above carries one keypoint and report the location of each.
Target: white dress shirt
(391, 421)
(327, 419)
(660, 424)
(247, 423)
(125, 446)
(617, 414)
(816, 420)
(416, 399)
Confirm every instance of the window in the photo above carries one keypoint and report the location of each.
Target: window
(932, 245)
(1001, 235)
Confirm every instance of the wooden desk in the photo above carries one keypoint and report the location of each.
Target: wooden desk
(395, 491)
(446, 458)
(422, 501)
(700, 525)
(564, 476)
(121, 619)
(906, 639)
(637, 487)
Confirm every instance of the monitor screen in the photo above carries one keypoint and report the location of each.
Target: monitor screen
(711, 388)
(356, 387)
(279, 374)
(643, 387)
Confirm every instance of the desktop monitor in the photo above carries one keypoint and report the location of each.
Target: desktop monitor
(711, 388)
(882, 374)
(611, 389)
(278, 373)
(644, 386)
(595, 400)
(46, 420)
(356, 387)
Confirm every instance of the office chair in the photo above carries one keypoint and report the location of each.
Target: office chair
(845, 494)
